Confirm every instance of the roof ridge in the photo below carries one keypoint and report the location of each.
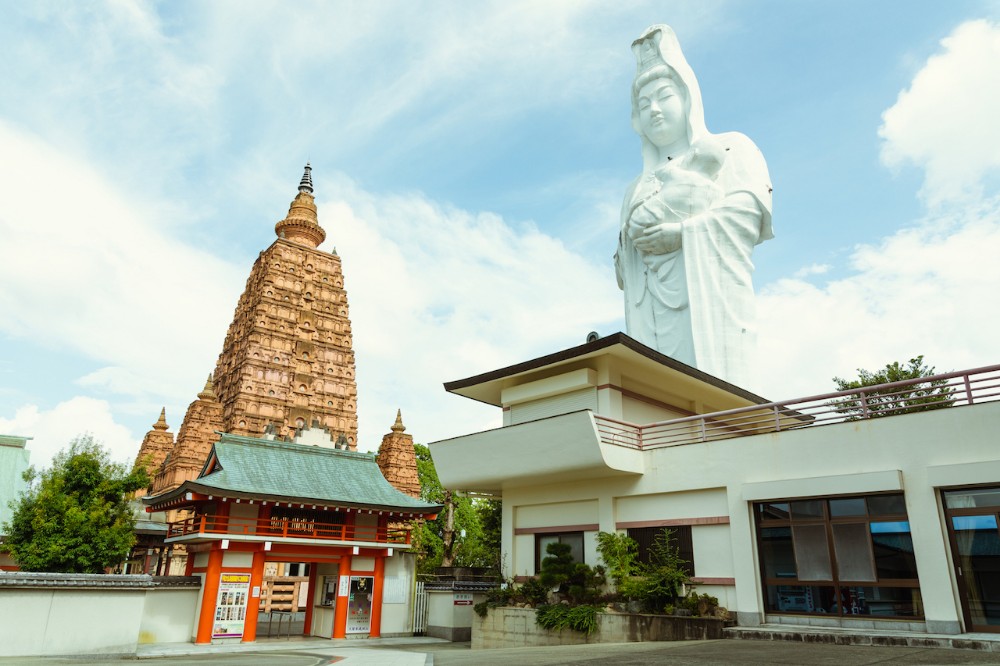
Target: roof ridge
(305, 448)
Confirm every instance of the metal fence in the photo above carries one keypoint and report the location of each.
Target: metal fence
(952, 389)
(419, 609)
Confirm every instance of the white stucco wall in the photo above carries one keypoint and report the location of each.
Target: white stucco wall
(168, 616)
(917, 453)
(40, 621)
(400, 570)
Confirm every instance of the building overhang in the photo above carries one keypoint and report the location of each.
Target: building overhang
(642, 370)
(557, 449)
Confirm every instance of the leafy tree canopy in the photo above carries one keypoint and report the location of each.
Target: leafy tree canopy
(887, 402)
(75, 516)
(442, 544)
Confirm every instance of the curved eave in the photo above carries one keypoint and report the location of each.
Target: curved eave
(178, 497)
(559, 448)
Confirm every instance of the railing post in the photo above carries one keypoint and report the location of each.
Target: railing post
(704, 434)
(864, 404)
(201, 528)
(968, 388)
(777, 420)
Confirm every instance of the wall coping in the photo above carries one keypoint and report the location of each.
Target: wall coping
(31, 579)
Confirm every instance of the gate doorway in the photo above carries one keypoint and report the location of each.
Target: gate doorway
(973, 516)
(359, 605)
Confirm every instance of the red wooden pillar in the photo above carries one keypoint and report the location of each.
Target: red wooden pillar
(375, 630)
(307, 623)
(340, 614)
(209, 595)
(253, 603)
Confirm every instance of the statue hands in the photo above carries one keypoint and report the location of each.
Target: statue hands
(659, 239)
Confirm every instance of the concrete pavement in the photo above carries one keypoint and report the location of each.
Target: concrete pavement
(422, 651)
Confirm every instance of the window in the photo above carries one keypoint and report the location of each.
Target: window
(838, 555)
(573, 539)
(680, 538)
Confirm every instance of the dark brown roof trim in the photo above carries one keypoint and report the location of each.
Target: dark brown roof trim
(597, 345)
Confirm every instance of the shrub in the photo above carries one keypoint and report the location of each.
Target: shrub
(620, 553)
(531, 592)
(560, 616)
(577, 581)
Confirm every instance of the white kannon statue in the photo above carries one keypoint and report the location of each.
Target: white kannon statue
(690, 222)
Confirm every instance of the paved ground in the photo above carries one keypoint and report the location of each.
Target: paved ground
(418, 652)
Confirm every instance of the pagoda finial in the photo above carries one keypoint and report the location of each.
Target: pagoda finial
(398, 425)
(161, 423)
(306, 184)
(301, 225)
(208, 393)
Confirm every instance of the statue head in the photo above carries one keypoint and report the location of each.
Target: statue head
(663, 73)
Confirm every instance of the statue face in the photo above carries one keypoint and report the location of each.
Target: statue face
(661, 112)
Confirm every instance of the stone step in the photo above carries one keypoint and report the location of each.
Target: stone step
(835, 636)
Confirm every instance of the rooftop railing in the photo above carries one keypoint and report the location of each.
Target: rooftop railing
(950, 389)
(285, 528)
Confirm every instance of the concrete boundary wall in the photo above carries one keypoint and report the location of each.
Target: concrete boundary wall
(93, 614)
(515, 627)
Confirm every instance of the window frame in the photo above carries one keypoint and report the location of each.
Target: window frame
(839, 585)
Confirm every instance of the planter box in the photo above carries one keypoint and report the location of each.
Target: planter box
(515, 627)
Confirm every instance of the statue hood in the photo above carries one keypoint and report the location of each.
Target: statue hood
(658, 53)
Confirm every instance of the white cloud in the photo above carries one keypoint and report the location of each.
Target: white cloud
(929, 289)
(946, 121)
(52, 430)
(86, 269)
(438, 293)
(812, 269)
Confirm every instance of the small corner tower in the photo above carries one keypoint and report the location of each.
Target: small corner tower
(155, 447)
(398, 460)
(194, 440)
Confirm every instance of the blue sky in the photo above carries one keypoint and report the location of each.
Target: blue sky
(469, 160)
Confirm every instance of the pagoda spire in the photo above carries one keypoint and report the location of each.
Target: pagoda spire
(301, 225)
(208, 393)
(398, 425)
(161, 423)
(306, 184)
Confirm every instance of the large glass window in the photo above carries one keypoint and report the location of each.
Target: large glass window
(680, 538)
(573, 539)
(838, 555)
(972, 515)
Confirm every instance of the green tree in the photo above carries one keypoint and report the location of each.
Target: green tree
(457, 537)
(75, 516)
(576, 580)
(918, 397)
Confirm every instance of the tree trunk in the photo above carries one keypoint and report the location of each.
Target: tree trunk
(448, 538)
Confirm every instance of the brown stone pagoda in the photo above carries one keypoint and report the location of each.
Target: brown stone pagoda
(287, 361)
(155, 447)
(398, 459)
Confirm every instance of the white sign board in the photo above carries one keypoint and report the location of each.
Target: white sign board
(231, 605)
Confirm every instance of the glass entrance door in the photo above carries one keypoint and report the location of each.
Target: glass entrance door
(972, 516)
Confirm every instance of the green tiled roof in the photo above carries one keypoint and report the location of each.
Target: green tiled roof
(266, 469)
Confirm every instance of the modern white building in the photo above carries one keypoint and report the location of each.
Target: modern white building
(806, 511)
